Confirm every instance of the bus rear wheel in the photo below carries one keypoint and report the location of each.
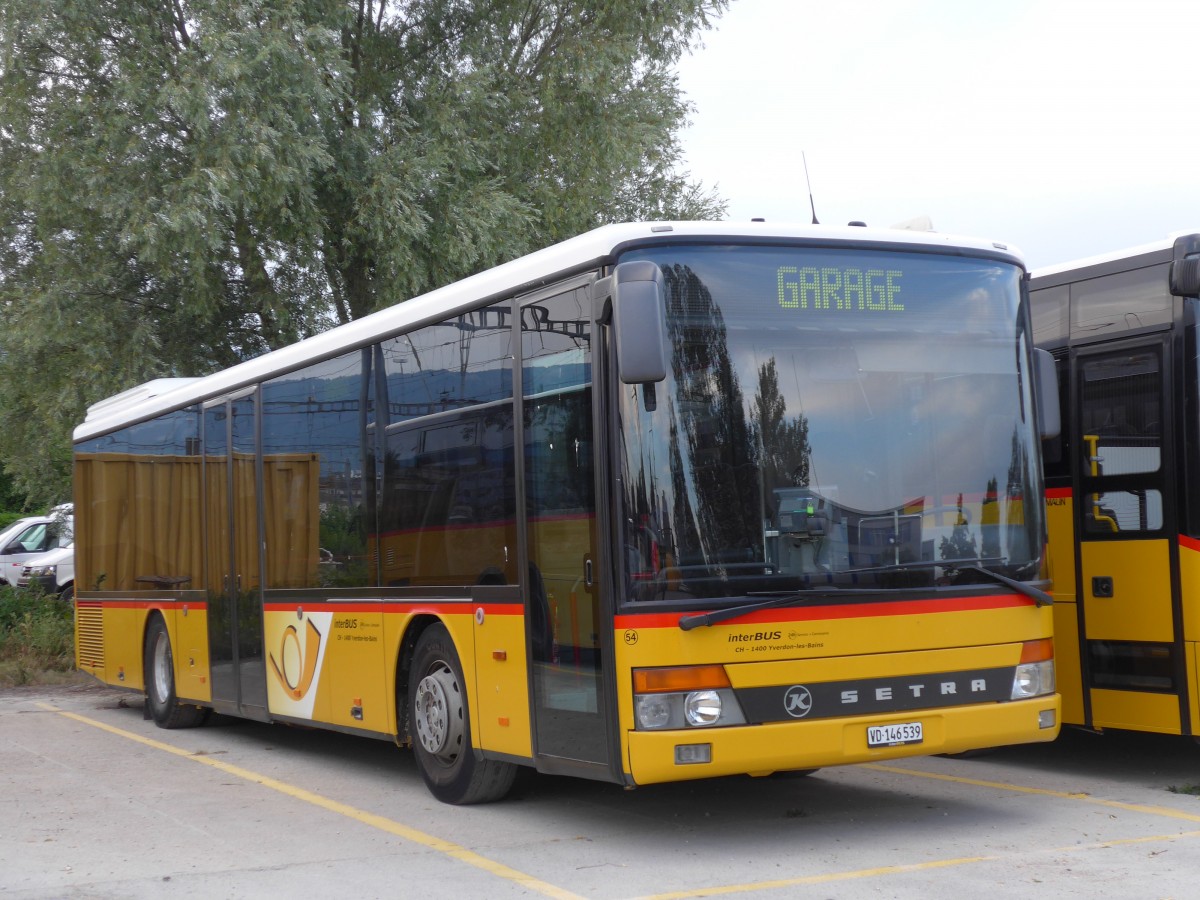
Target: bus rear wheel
(440, 726)
(159, 672)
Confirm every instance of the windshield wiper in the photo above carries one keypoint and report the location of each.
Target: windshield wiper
(695, 620)
(1040, 597)
(969, 565)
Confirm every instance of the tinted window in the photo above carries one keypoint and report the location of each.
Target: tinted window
(316, 440)
(139, 514)
(448, 514)
(1122, 302)
(454, 364)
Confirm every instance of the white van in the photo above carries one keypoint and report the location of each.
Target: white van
(40, 535)
(16, 528)
(54, 572)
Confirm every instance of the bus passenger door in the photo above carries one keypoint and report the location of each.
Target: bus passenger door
(566, 654)
(1128, 559)
(235, 615)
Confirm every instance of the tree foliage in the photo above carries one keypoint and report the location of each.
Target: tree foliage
(187, 183)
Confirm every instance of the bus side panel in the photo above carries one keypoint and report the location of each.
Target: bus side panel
(1193, 680)
(778, 648)
(1189, 579)
(1060, 564)
(1136, 711)
(492, 655)
(188, 627)
(336, 664)
(1068, 670)
(110, 643)
(1140, 608)
(301, 652)
(501, 709)
(124, 636)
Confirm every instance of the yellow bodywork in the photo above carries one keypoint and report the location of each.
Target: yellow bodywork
(815, 650)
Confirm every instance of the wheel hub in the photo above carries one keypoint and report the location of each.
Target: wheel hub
(438, 714)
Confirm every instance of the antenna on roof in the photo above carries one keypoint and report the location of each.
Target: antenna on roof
(811, 205)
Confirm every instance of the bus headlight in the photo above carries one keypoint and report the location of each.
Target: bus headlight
(1034, 675)
(684, 697)
(1033, 680)
(653, 711)
(702, 707)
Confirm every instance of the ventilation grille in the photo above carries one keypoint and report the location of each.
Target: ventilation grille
(89, 636)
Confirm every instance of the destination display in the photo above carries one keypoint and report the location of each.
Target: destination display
(840, 288)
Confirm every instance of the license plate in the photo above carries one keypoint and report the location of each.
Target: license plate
(895, 735)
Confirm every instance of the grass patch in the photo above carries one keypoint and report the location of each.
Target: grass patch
(1193, 789)
(37, 638)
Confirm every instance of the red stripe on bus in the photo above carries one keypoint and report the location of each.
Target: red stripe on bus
(412, 607)
(1190, 542)
(461, 607)
(1059, 493)
(143, 604)
(849, 611)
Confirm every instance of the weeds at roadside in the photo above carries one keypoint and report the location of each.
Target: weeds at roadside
(37, 641)
(1193, 789)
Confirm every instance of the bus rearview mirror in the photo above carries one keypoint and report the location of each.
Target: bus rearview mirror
(1045, 378)
(1185, 277)
(639, 321)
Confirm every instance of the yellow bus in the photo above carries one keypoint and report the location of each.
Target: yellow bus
(665, 501)
(1122, 508)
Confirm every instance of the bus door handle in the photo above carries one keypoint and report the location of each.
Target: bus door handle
(587, 572)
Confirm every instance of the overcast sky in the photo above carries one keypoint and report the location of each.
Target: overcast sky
(1064, 128)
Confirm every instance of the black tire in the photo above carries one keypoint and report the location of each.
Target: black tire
(440, 727)
(67, 594)
(159, 672)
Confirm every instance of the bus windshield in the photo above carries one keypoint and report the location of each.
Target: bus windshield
(831, 419)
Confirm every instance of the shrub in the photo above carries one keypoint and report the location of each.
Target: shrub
(36, 636)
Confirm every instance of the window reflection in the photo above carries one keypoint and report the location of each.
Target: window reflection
(448, 514)
(316, 449)
(805, 437)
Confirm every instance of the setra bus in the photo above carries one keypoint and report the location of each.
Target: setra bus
(662, 502)
(1122, 503)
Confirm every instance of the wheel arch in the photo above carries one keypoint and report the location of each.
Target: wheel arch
(152, 613)
(413, 630)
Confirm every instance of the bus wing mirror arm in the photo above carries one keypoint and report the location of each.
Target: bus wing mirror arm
(633, 301)
(1046, 384)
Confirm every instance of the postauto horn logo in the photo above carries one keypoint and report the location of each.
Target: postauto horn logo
(297, 666)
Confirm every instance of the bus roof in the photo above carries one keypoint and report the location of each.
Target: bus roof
(526, 273)
(1115, 256)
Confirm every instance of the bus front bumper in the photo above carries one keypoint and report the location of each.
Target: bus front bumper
(663, 756)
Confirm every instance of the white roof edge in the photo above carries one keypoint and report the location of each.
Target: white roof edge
(138, 394)
(542, 266)
(1113, 255)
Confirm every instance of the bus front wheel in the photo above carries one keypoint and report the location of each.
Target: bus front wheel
(440, 727)
(159, 672)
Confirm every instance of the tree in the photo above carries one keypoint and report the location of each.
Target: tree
(786, 458)
(188, 183)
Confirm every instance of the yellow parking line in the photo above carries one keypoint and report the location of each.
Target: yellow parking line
(1166, 811)
(750, 887)
(813, 879)
(374, 821)
(533, 884)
